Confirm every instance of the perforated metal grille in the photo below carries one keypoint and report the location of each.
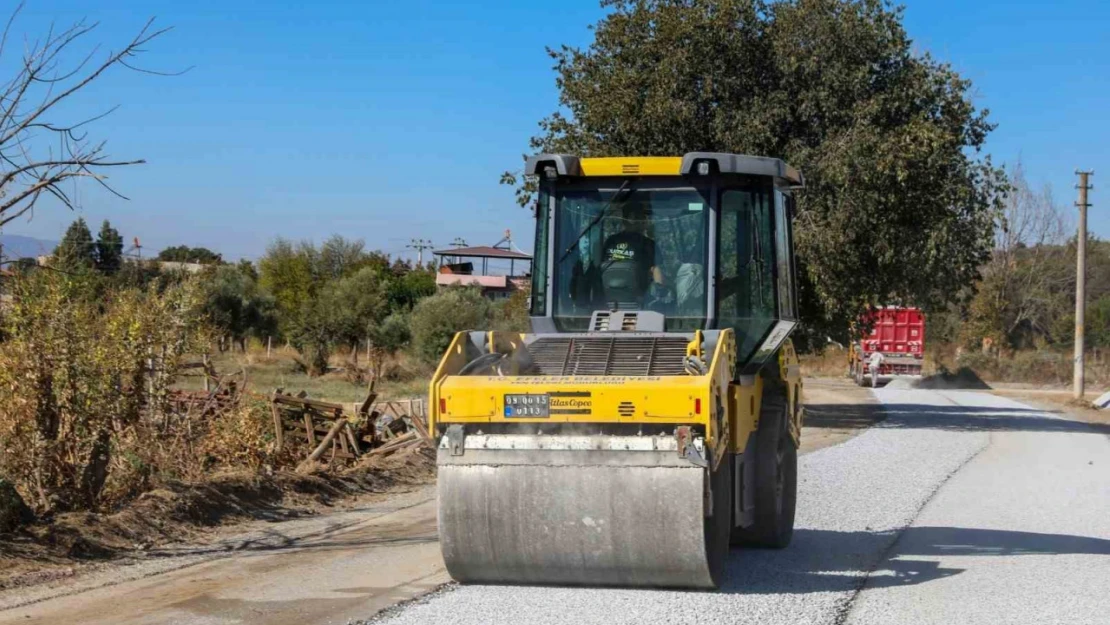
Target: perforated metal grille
(590, 355)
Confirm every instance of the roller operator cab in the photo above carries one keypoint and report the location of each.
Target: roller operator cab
(652, 416)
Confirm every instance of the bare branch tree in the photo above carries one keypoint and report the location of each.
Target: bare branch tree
(1025, 271)
(37, 153)
(1030, 217)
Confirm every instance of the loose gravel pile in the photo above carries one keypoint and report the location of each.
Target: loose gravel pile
(853, 500)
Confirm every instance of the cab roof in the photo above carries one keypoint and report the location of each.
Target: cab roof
(718, 162)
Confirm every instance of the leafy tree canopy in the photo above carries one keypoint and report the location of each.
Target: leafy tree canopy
(408, 288)
(186, 254)
(355, 304)
(900, 204)
(247, 268)
(235, 305)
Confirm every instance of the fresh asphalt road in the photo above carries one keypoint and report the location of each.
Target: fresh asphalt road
(960, 507)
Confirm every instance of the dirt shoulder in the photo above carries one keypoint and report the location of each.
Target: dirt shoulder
(178, 520)
(835, 411)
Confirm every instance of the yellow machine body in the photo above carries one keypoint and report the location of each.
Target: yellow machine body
(686, 400)
(629, 442)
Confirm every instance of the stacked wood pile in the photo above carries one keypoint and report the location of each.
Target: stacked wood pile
(329, 432)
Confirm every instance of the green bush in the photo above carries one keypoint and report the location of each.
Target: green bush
(511, 315)
(437, 318)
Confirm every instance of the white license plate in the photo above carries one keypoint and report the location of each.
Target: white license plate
(527, 406)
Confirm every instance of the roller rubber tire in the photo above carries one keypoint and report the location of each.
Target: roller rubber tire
(776, 480)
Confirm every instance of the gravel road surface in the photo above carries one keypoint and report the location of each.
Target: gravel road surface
(959, 508)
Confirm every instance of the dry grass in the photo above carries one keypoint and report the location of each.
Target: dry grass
(830, 363)
(406, 377)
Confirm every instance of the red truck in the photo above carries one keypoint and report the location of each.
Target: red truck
(895, 347)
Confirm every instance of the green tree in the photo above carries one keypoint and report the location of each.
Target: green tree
(237, 307)
(312, 332)
(109, 249)
(436, 319)
(387, 338)
(900, 204)
(76, 251)
(339, 257)
(354, 305)
(247, 268)
(409, 287)
(286, 272)
(186, 254)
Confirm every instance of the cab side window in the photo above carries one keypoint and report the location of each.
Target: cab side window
(784, 260)
(539, 260)
(746, 266)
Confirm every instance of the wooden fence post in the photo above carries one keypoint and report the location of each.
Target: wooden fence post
(279, 434)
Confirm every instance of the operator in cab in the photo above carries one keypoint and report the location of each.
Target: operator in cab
(629, 273)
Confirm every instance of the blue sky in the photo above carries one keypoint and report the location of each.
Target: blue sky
(388, 121)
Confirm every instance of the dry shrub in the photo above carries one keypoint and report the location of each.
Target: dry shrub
(84, 372)
(242, 437)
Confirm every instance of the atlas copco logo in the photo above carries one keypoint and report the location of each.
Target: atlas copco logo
(570, 402)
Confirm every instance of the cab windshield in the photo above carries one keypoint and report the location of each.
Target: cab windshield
(633, 245)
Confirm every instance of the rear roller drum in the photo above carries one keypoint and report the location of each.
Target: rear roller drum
(776, 479)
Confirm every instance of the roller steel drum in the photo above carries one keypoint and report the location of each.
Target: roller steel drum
(597, 518)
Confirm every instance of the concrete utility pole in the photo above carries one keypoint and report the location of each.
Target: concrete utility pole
(419, 245)
(1081, 280)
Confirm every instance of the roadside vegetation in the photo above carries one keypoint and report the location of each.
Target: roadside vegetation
(89, 356)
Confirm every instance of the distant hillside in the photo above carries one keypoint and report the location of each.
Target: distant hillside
(19, 246)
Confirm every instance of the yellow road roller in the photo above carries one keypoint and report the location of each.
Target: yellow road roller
(652, 416)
